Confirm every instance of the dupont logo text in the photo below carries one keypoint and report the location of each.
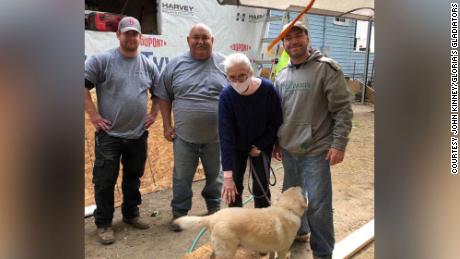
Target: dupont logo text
(241, 47)
(152, 42)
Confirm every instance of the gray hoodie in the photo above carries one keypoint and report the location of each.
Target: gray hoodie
(316, 106)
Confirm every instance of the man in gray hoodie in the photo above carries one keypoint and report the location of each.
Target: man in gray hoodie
(317, 118)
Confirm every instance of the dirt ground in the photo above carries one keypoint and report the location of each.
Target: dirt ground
(353, 194)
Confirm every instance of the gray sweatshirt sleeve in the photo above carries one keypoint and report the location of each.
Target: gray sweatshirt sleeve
(339, 105)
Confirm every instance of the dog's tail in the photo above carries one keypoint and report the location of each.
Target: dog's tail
(187, 222)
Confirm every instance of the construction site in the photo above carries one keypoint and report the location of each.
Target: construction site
(341, 30)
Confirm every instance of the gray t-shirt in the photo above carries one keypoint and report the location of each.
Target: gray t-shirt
(194, 87)
(121, 87)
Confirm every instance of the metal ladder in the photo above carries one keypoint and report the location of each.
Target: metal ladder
(259, 59)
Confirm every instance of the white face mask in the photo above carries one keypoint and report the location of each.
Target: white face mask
(241, 87)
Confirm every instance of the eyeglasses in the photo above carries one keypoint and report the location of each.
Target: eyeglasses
(240, 78)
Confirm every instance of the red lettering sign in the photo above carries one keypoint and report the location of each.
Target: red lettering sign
(241, 47)
(153, 42)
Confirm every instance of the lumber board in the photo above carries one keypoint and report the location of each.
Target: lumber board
(354, 242)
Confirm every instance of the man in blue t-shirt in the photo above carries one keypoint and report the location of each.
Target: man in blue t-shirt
(189, 87)
(122, 77)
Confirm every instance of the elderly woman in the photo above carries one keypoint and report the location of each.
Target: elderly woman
(249, 118)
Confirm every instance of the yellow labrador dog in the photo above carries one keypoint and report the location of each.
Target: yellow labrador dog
(266, 230)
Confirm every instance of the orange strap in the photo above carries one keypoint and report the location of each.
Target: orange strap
(283, 33)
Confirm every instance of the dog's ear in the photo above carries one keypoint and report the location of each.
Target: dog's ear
(305, 201)
(302, 201)
(304, 205)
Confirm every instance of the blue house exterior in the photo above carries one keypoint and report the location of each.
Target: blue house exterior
(336, 41)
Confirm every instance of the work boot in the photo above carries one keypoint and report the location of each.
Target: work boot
(173, 226)
(106, 236)
(136, 223)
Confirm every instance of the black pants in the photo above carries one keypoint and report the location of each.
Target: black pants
(239, 167)
(133, 154)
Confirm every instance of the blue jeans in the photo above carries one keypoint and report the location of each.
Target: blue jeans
(186, 156)
(313, 173)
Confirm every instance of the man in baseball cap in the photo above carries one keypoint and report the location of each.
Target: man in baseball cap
(121, 120)
(307, 158)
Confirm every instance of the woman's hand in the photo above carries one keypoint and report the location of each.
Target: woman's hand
(229, 191)
(254, 151)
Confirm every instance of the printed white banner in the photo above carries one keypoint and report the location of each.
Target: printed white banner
(235, 29)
